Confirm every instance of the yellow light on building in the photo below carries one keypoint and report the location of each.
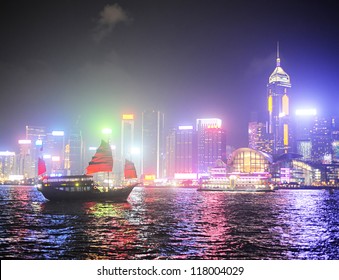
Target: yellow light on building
(285, 134)
(270, 103)
(150, 177)
(285, 107)
(128, 117)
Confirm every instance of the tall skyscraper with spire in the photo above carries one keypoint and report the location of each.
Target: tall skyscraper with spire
(278, 108)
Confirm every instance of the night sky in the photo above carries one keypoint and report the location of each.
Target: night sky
(63, 62)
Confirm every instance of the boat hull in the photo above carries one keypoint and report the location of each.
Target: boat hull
(83, 188)
(114, 195)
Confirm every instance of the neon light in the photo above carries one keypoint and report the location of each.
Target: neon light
(270, 104)
(128, 117)
(306, 112)
(182, 176)
(38, 142)
(285, 134)
(106, 131)
(7, 153)
(58, 133)
(24, 142)
(55, 158)
(149, 177)
(135, 151)
(16, 177)
(216, 123)
(185, 127)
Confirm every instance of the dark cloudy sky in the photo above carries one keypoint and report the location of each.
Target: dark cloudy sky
(93, 60)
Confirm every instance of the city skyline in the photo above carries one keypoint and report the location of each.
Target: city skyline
(92, 61)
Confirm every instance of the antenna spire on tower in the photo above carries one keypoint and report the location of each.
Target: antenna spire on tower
(278, 58)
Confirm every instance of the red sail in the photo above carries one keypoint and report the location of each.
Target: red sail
(102, 160)
(41, 166)
(129, 170)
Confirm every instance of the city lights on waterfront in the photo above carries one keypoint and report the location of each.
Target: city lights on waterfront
(205, 133)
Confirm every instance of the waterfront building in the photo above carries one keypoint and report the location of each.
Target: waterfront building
(54, 152)
(247, 160)
(127, 135)
(25, 161)
(185, 150)
(36, 135)
(74, 153)
(321, 138)
(211, 143)
(152, 144)
(170, 154)
(278, 108)
(129, 149)
(335, 139)
(7, 165)
(303, 124)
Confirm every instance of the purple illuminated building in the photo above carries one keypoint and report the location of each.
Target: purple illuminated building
(181, 155)
(211, 143)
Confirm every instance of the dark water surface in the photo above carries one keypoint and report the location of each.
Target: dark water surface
(171, 224)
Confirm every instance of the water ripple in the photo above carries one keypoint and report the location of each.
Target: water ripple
(171, 224)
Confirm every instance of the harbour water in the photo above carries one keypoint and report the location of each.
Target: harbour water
(171, 224)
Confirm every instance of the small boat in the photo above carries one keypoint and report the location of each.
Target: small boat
(84, 187)
(260, 182)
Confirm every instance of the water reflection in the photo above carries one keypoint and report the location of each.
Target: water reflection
(171, 224)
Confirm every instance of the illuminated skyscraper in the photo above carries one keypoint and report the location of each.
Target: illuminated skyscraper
(335, 139)
(25, 161)
(170, 154)
(54, 148)
(278, 108)
(7, 164)
(321, 138)
(181, 152)
(37, 136)
(211, 143)
(75, 152)
(303, 123)
(152, 146)
(127, 135)
(130, 145)
(185, 150)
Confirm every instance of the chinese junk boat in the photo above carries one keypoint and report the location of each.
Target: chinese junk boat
(83, 187)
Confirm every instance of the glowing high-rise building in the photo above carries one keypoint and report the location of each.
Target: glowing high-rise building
(211, 143)
(74, 151)
(278, 108)
(37, 137)
(181, 151)
(152, 144)
(127, 135)
(7, 164)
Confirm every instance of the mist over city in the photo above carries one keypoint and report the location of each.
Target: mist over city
(91, 61)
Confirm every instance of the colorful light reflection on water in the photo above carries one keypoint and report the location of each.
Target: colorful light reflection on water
(171, 224)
